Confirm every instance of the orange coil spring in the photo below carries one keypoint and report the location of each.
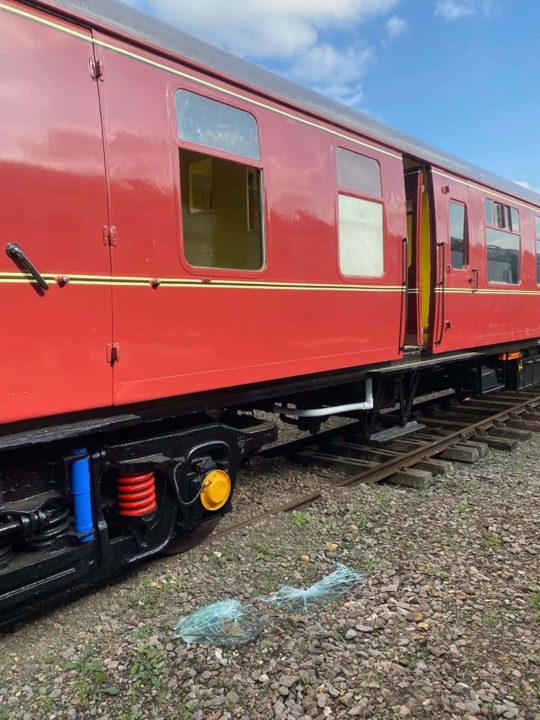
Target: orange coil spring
(136, 495)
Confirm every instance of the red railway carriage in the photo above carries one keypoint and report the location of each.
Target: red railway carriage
(187, 236)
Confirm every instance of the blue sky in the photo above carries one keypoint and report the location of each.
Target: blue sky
(463, 75)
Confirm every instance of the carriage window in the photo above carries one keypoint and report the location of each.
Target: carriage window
(216, 125)
(253, 200)
(537, 229)
(457, 221)
(200, 186)
(358, 173)
(221, 212)
(502, 213)
(514, 219)
(221, 198)
(501, 216)
(502, 256)
(489, 212)
(360, 237)
(502, 243)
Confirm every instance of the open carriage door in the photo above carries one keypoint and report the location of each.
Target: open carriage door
(418, 334)
(54, 265)
(413, 193)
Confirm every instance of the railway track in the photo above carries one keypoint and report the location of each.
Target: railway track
(451, 430)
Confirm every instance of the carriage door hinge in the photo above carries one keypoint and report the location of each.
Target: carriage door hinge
(95, 68)
(113, 350)
(109, 235)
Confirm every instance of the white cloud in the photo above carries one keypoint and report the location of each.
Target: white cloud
(332, 71)
(452, 10)
(295, 36)
(456, 9)
(266, 28)
(396, 26)
(525, 184)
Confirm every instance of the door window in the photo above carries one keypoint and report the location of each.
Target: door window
(360, 219)
(360, 237)
(358, 173)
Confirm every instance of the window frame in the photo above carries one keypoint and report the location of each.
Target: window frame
(249, 227)
(536, 222)
(351, 192)
(191, 204)
(258, 165)
(504, 202)
(466, 240)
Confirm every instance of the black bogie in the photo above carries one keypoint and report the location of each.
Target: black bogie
(40, 550)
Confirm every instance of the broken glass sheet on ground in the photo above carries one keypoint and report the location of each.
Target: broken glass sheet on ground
(228, 622)
(233, 622)
(303, 601)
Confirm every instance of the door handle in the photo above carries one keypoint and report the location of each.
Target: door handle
(442, 299)
(404, 260)
(442, 262)
(16, 253)
(474, 279)
(404, 294)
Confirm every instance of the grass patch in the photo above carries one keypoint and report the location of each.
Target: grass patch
(132, 715)
(144, 632)
(267, 583)
(263, 550)
(47, 705)
(518, 696)
(438, 571)
(411, 545)
(185, 712)
(492, 542)
(492, 619)
(370, 566)
(301, 518)
(356, 517)
(228, 553)
(90, 677)
(152, 596)
(422, 654)
(149, 665)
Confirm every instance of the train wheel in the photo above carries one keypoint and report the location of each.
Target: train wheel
(187, 541)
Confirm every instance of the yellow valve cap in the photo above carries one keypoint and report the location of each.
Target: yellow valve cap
(216, 490)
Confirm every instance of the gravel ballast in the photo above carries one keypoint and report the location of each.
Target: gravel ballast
(446, 623)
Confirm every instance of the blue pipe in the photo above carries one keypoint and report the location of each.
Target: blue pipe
(82, 500)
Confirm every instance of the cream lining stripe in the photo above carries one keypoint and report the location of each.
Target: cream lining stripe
(13, 277)
(215, 286)
(487, 291)
(232, 284)
(192, 78)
